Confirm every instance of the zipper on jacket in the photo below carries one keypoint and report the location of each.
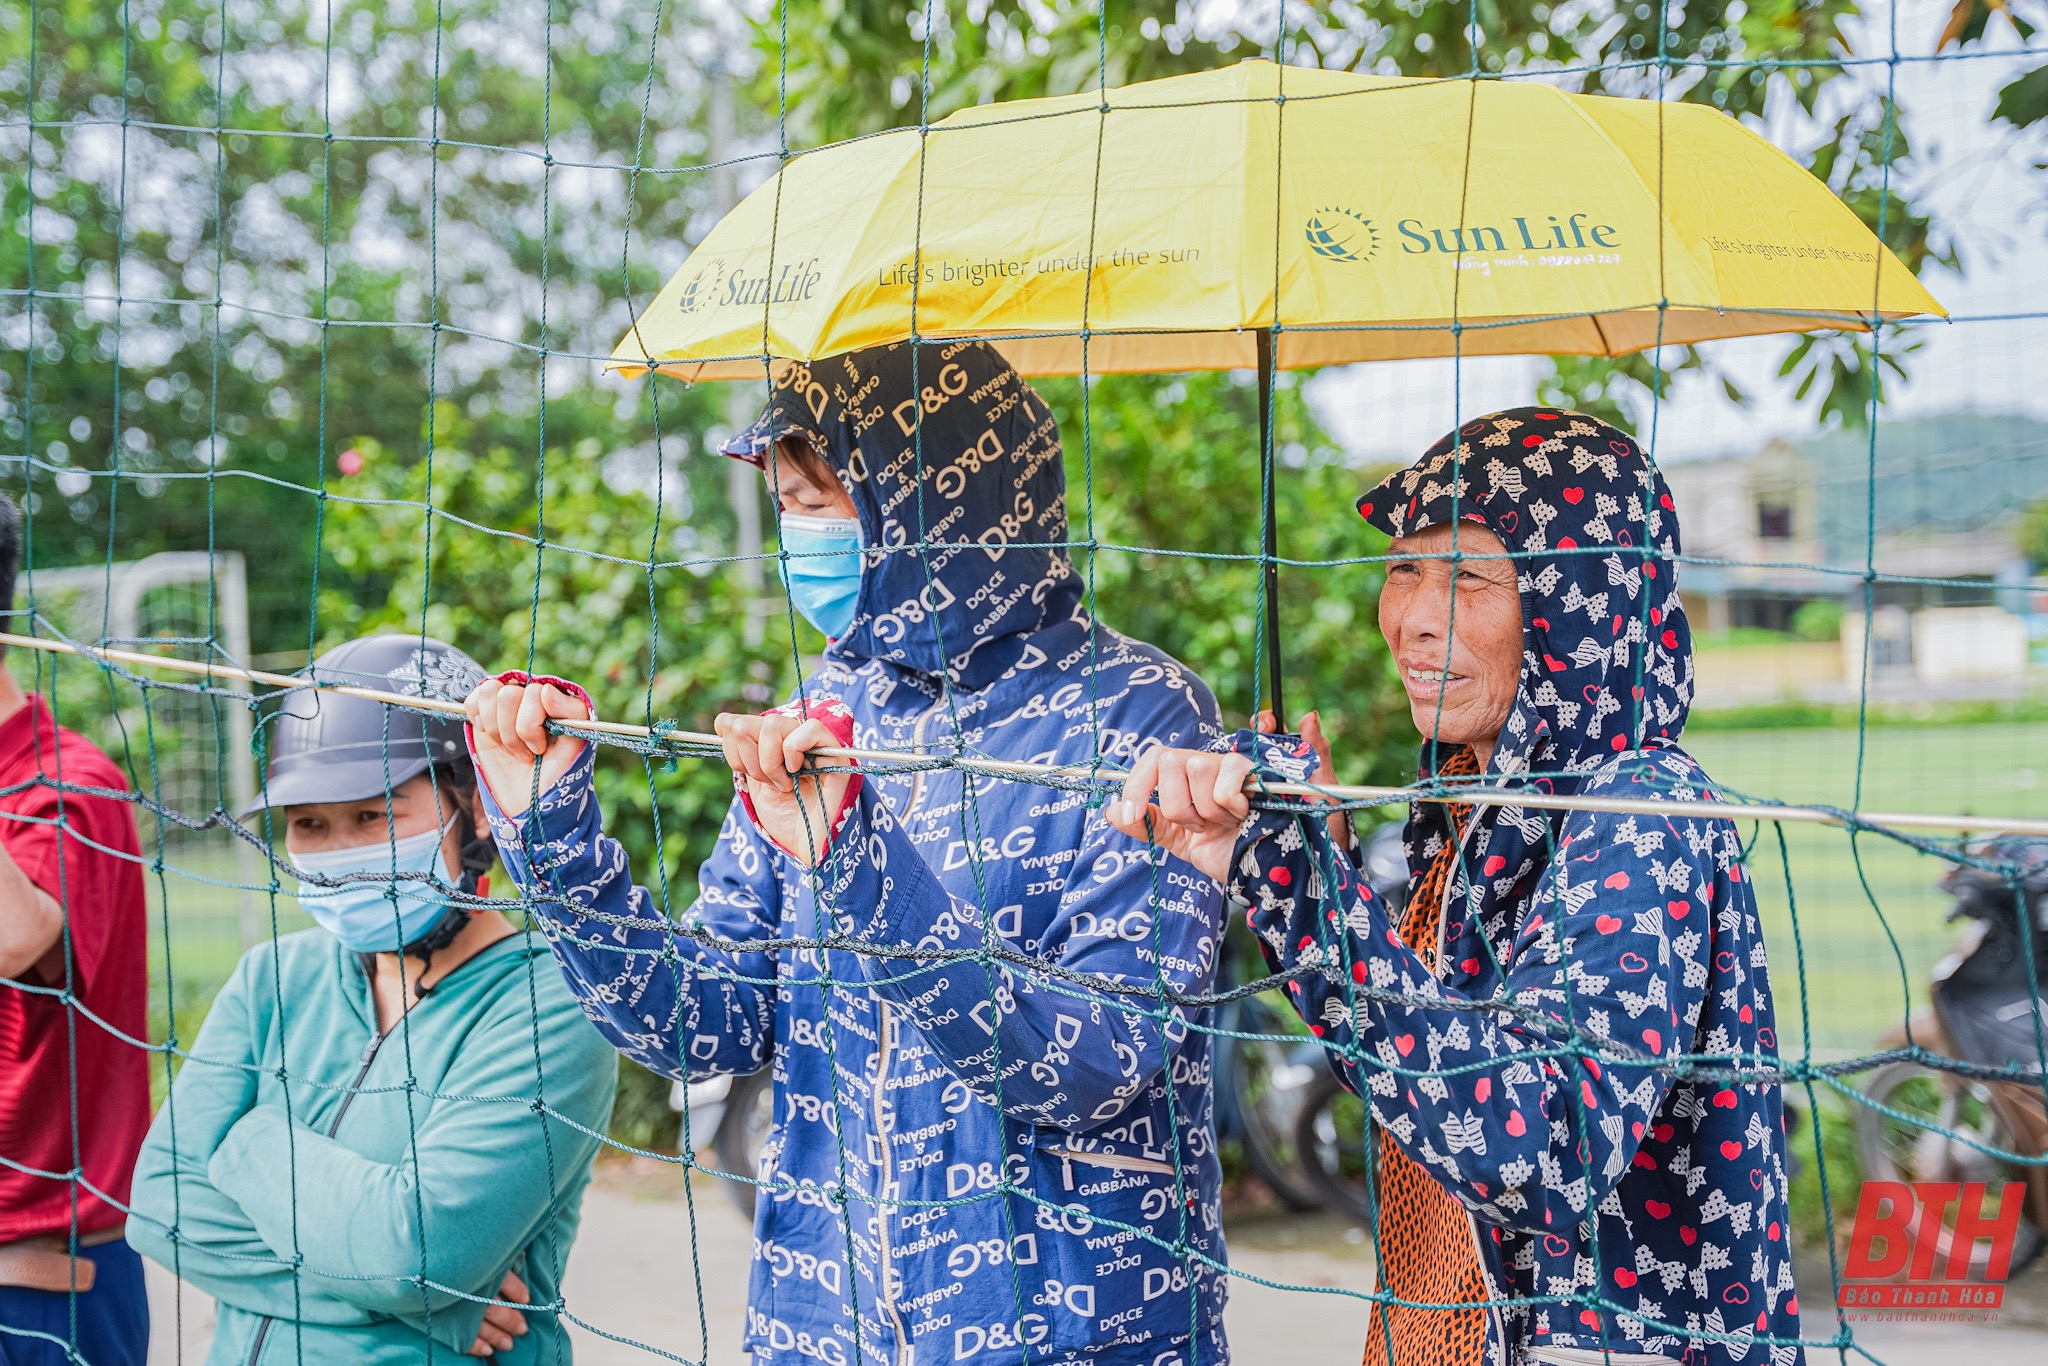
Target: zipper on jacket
(885, 1046)
(1115, 1161)
(1443, 920)
(347, 1098)
(917, 778)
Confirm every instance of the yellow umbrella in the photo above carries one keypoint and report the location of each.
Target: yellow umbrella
(1263, 216)
(1355, 219)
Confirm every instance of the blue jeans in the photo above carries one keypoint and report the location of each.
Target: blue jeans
(112, 1322)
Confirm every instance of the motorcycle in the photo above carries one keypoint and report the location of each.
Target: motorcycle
(1264, 1071)
(1938, 1126)
(731, 1116)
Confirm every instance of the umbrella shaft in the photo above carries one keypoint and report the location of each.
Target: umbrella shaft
(1269, 537)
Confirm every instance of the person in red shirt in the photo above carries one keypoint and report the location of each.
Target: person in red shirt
(74, 1082)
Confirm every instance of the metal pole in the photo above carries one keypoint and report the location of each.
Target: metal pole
(1269, 563)
(233, 596)
(1087, 772)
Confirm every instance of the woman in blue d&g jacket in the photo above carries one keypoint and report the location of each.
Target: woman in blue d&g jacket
(972, 1162)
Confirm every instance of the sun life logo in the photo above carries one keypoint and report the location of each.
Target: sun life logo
(1341, 234)
(687, 303)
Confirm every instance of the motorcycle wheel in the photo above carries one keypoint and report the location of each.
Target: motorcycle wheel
(749, 1112)
(1331, 1135)
(1264, 1084)
(1928, 1145)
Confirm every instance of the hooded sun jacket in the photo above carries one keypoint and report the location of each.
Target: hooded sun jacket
(373, 1182)
(970, 1162)
(1630, 1211)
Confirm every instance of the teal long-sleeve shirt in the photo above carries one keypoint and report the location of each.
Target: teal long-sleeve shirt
(395, 1203)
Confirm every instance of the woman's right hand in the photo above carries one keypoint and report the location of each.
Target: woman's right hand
(1200, 805)
(509, 723)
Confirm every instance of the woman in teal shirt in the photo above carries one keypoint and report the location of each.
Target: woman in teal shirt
(423, 1166)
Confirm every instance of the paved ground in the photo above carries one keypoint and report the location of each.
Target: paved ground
(630, 1275)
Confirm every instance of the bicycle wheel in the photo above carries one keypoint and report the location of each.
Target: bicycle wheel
(1331, 1135)
(1262, 1082)
(749, 1111)
(1942, 1127)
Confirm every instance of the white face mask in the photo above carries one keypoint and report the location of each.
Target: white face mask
(381, 913)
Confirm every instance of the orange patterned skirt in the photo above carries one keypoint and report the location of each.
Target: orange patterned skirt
(1425, 1236)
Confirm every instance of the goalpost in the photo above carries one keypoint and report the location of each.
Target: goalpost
(195, 759)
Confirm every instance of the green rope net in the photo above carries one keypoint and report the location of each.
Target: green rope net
(303, 307)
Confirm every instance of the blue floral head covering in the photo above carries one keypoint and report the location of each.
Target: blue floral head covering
(1607, 657)
(1607, 664)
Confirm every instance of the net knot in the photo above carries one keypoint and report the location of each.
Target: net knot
(663, 735)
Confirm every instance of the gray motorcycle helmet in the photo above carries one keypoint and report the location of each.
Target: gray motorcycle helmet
(325, 747)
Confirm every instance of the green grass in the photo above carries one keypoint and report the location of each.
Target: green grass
(209, 922)
(1869, 913)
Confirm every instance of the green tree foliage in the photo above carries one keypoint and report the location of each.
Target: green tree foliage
(2024, 101)
(1819, 620)
(649, 645)
(2033, 537)
(198, 322)
(1173, 464)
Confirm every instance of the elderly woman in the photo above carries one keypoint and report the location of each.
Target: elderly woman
(1544, 1174)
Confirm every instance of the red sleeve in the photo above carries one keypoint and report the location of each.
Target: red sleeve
(74, 867)
(521, 677)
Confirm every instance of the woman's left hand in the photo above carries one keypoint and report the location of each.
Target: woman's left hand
(771, 756)
(502, 1324)
(1200, 805)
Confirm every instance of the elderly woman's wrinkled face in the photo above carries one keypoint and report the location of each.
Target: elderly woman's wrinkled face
(1455, 630)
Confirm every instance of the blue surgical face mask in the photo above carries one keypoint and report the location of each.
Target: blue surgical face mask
(359, 914)
(822, 570)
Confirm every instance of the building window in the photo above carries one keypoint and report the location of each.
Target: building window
(1774, 521)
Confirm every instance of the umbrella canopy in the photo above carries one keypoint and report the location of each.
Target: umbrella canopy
(1355, 217)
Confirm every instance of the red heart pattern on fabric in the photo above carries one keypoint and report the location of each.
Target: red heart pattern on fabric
(1606, 684)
